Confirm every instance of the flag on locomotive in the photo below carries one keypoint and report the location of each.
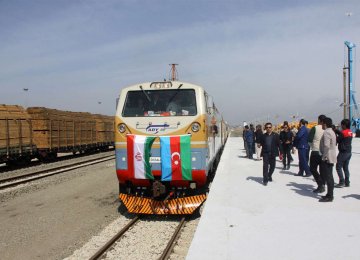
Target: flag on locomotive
(175, 152)
(138, 147)
(175, 157)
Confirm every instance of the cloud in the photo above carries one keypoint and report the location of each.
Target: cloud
(254, 59)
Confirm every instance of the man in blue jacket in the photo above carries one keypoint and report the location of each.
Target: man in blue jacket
(249, 138)
(301, 144)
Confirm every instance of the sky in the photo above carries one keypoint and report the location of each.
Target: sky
(260, 60)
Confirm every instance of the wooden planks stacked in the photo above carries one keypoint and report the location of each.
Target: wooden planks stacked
(62, 130)
(15, 129)
(104, 129)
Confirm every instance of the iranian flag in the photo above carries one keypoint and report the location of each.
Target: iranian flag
(138, 153)
(175, 158)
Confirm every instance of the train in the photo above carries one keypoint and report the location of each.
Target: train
(42, 133)
(169, 136)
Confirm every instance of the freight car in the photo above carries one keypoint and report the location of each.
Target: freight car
(16, 142)
(41, 133)
(168, 138)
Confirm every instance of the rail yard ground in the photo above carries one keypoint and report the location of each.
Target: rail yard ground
(242, 219)
(53, 217)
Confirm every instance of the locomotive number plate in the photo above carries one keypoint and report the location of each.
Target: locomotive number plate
(155, 159)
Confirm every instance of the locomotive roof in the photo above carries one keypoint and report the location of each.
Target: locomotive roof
(158, 85)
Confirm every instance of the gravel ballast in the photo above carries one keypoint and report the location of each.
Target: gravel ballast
(145, 240)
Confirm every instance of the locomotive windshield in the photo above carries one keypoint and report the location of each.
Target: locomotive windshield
(177, 102)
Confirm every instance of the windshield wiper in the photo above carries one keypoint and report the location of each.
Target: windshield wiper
(177, 91)
(147, 96)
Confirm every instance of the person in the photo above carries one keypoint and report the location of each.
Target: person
(246, 129)
(316, 132)
(301, 143)
(308, 150)
(286, 138)
(344, 139)
(249, 137)
(328, 159)
(258, 134)
(174, 106)
(270, 144)
(156, 104)
(252, 129)
(140, 106)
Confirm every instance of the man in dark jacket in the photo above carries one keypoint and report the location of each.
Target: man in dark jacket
(249, 138)
(301, 144)
(258, 135)
(344, 139)
(270, 144)
(286, 138)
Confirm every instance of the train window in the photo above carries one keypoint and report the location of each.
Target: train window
(174, 102)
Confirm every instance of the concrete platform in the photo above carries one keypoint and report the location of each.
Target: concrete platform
(243, 219)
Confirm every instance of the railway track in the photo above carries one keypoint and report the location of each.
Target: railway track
(25, 178)
(165, 254)
(6, 168)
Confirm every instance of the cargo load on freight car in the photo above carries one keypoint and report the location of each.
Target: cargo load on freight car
(64, 131)
(16, 143)
(104, 131)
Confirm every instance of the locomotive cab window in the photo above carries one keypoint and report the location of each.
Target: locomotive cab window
(177, 102)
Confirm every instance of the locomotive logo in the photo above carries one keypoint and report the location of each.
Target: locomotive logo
(174, 159)
(138, 156)
(156, 128)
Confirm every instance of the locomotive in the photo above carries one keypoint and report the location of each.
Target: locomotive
(168, 138)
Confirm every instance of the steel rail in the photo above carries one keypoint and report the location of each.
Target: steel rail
(49, 172)
(112, 241)
(170, 246)
(6, 168)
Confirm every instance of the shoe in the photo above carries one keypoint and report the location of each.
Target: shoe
(326, 199)
(265, 183)
(347, 184)
(308, 175)
(270, 178)
(288, 167)
(319, 189)
(340, 185)
(299, 174)
(284, 168)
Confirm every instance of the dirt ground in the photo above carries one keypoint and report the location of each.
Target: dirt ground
(54, 216)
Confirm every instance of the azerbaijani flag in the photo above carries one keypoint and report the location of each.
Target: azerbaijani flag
(175, 157)
(138, 153)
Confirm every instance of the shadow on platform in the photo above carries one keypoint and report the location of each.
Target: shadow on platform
(303, 189)
(355, 196)
(287, 172)
(256, 179)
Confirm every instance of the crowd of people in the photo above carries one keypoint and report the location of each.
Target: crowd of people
(323, 140)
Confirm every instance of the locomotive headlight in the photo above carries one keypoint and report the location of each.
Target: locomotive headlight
(121, 128)
(195, 127)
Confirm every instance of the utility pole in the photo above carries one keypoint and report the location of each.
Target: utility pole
(174, 74)
(26, 97)
(344, 82)
(351, 98)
